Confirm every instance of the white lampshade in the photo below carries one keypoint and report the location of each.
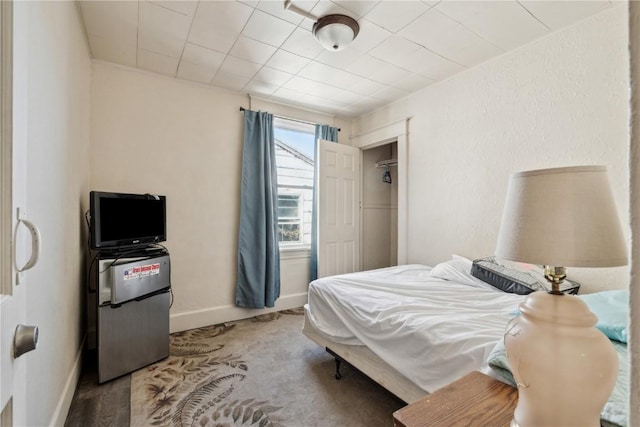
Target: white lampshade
(562, 217)
(335, 32)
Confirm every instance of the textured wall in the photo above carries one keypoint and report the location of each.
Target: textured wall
(561, 100)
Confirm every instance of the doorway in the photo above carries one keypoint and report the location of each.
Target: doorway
(379, 235)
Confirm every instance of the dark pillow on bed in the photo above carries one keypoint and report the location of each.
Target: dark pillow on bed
(507, 279)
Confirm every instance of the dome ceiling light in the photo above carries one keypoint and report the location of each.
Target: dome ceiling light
(334, 32)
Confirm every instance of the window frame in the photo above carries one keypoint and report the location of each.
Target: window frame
(299, 219)
(297, 248)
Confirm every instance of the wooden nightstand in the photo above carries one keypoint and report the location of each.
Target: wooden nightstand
(475, 400)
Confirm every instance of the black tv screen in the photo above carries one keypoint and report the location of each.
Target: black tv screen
(121, 220)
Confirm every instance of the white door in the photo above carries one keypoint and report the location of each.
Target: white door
(15, 238)
(338, 209)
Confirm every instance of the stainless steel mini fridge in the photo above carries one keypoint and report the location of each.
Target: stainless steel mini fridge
(133, 314)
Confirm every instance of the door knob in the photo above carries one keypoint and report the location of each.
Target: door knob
(24, 340)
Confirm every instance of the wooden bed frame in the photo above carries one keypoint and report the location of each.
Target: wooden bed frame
(365, 361)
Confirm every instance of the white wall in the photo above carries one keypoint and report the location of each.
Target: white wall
(54, 124)
(561, 100)
(155, 134)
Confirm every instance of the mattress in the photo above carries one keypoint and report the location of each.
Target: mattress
(433, 325)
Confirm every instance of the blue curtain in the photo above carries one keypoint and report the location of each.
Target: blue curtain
(327, 133)
(258, 281)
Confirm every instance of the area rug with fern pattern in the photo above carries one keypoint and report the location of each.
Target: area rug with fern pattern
(255, 372)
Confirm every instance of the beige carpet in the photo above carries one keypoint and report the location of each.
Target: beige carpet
(255, 372)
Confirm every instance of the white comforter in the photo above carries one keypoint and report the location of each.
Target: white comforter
(430, 329)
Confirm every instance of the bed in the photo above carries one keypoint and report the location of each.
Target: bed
(414, 328)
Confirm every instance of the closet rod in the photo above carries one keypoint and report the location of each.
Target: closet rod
(289, 118)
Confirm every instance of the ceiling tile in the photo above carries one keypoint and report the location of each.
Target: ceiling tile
(303, 85)
(255, 87)
(286, 61)
(461, 45)
(389, 94)
(116, 21)
(301, 42)
(323, 73)
(504, 23)
(252, 3)
(239, 67)
(328, 104)
(109, 50)
(252, 50)
(273, 76)
(394, 48)
(389, 74)
(156, 62)
(217, 24)
(268, 29)
(365, 87)
(429, 64)
(340, 59)
(366, 104)
(230, 81)
(285, 94)
(291, 97)
(370, 36)
(276, 8)
(323, 8)
(203, 56)
(184, 7)
(394, 15)
(365, 65)
(557, 14)
(412, 82)
(358, 7)
(195, 72)
(351, 98)
(307, 24)
(162, 30)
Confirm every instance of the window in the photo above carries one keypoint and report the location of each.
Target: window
(294, 143)
(290, 228)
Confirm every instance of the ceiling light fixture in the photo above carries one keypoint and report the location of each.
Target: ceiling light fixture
(334, 32)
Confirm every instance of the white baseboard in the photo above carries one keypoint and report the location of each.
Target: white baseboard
(214, 315)
(64, 403)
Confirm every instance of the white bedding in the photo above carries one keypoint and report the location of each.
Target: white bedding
(429, 329)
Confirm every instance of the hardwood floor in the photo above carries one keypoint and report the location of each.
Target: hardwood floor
(94, 404)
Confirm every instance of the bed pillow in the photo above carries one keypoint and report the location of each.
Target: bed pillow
(458, 269)
(515, 278)
(612, 310)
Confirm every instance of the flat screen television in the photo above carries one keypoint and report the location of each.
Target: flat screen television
(122, 220)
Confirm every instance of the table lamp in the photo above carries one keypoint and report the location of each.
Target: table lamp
(565, 369)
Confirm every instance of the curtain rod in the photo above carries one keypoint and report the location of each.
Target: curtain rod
(289, 118)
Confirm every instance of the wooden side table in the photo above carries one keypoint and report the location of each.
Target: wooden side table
(474, 400)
